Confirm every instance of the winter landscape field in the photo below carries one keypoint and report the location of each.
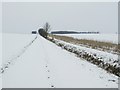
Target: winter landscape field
(108, 37)
(59, 45)
(31, 61)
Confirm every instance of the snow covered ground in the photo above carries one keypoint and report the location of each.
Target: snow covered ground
(106, 57)
(98, 37)
(44, 65)
(0, 58)
(14, 44)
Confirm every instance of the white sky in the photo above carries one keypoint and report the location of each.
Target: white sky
(80, 16)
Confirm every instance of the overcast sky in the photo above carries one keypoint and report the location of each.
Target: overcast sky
(21, 17)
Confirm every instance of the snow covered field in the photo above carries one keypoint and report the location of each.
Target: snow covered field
(42, 64)
(98, 37)
(14, 45)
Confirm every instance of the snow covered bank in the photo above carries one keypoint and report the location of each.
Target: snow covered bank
(102, 59)
(113, 38)
(45, 65)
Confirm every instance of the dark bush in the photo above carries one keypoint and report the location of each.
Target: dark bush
(42, 32)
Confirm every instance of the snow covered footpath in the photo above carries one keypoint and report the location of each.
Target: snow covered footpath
(45, 65)
(113, 38)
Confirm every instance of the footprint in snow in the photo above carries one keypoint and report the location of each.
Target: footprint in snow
(52, 86)
(48, 77)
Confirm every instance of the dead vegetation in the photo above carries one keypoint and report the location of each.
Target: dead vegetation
(103, 46)
(114, 69)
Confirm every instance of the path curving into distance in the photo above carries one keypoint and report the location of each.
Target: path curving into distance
(45, 65)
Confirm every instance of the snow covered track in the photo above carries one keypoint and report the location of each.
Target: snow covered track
(45, 65)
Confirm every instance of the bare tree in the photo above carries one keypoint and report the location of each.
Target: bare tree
(47, 27)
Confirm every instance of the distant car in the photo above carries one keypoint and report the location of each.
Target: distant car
(34, 32)
(42, 32)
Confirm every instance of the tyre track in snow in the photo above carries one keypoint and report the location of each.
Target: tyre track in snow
(48, 70)
(9, 62)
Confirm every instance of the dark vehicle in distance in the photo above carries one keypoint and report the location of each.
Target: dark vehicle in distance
(34, 32)
(42, 32)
